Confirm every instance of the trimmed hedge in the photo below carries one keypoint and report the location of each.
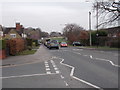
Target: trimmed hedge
(2, 44)
(16, 46)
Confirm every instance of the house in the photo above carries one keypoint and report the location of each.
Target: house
(1, 32)
(32, 33)
(19, 29)
(113, 32)
(12, 34)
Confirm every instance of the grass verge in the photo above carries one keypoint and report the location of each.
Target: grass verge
(26, 52)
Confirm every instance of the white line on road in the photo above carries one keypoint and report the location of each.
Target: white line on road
(91, 56)
(85, 55)
(66, 83)
(77, 53)
(46, 62)
(72, 72)
(20, 76)
(47, 69)
(61, 76)
(57, 71)
(46, 66)
(107, 61)
(100, 59)
(56, 68)
(48, 72)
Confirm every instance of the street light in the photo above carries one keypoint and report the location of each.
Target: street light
(97, 23)
(90, 28)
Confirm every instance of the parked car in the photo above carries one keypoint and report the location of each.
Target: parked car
(76, 44)
(63, 44)
(53, 44)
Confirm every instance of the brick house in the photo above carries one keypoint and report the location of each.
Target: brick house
(12, 34)
(18, 29)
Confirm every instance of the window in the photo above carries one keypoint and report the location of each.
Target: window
(13, 35)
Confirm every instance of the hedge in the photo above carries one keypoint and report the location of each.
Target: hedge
(2, 44)
(16, 46)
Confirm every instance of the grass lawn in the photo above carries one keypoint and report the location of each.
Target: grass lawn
(60, 39)
(26, 52)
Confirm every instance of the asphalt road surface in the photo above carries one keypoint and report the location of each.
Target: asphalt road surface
(70, 67)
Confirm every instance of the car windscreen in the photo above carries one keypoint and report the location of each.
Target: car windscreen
(63, 43)
(54, 41)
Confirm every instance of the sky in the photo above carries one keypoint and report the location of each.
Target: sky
(49, 15)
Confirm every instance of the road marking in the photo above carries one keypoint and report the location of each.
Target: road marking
(72, 72)
(57, 71)
(46, 62)
(85, 55)
(78, 49)
(66, 83)
(20, 76)
(91, 56)
(48, 72)
(47, 69)
(108, 61)
(56, 68)
(77, 53)
(100, 59)
(61, 76)
(32, 62)
(46, 66)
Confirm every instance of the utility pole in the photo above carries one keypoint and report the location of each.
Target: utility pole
(90, 28)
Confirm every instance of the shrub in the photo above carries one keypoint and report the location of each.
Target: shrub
(29, 42)
(2, 44)
(36, 42)
(16, 46)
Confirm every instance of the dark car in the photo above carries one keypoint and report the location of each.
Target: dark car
(76, 44)
(53, 44)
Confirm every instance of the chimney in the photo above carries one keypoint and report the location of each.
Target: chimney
(18, 26)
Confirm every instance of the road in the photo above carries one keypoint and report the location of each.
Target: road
(70, 67)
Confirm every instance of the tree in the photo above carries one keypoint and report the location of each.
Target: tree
(44, 34)
(101, 33)
(108, 12)
(75, 32)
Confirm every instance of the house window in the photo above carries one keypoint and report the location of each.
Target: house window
(13, 35)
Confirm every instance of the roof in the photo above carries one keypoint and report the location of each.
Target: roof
(113, 29)
(8, 29)
(1, 29)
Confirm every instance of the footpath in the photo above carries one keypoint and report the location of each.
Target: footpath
(40, 56)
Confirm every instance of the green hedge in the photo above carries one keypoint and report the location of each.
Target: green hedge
(2, 44)
(29, 42)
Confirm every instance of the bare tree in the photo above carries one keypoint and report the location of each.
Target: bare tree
(75, 32)
(108, 12)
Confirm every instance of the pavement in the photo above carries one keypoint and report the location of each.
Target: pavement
(40, 56)
(64, 68)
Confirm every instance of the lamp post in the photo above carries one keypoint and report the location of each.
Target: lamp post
(97, 23)
(90, 28)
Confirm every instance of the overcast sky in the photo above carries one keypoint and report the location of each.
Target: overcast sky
(49, 16)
